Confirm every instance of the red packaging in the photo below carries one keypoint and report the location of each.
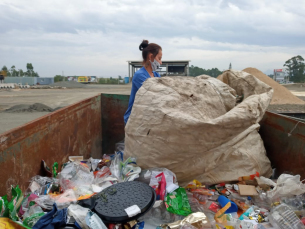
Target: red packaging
(162, 186)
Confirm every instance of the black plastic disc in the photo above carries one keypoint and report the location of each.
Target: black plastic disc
(112, 202)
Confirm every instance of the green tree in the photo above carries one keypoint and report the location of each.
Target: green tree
(196, 71)
(29, 69)
(20, 72)
(4, 68)
(4, 71)
(230, 66)
(13, 71)
(295, 67)
(58, 78)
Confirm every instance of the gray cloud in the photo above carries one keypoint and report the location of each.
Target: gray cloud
(93, 36)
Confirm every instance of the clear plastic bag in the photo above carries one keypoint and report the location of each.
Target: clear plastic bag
(74, 175)
(101, 175)
(79, 213)
(31, 217)
(120, 146)
(147, 175)
(45, 201)
(283, 217)
(116, 168)
(159, 215)
(286, 185)
(66, 199)
(94, 163)
(40, 185)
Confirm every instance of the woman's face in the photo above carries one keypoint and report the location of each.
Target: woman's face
(157, 58)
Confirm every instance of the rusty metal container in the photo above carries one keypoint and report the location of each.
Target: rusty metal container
(92, 127)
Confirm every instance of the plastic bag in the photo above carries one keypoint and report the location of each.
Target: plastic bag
(3, 206)
(27, 202)
(286, 185)
(159, 215)
(79, 214)
(120, 147)
(194, 203)
(130, 170)
(67, 174)
(64, 200)
(15, 203)
(45, 201)
(94, 222)
(101, 175)
(41, 185)
(32, 215)
(283, 217)
(75, 175)
(94, 163)
(83, 192)
(177, 202)
(115, 167)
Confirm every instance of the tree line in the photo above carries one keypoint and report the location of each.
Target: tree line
(197, 71)
(295, 69)
(14, 72)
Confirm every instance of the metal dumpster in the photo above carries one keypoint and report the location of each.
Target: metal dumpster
(92, 127)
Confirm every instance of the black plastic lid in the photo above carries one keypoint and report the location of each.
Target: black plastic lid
(112, 202)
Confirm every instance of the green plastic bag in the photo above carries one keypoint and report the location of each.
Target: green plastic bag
(15, 203)
(3, 206)
(178, 203)
(33, 219)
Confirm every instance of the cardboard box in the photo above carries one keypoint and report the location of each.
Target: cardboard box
(247, 190)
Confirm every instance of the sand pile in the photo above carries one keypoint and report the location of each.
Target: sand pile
(23, 108)
(281, 94)
(68, 84)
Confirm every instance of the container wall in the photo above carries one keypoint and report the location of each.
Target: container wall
(45, 81)
(113, 110)
(21, 80)
(73, 130)
(284, 140)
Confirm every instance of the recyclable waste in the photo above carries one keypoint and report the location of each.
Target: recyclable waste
(114, 192)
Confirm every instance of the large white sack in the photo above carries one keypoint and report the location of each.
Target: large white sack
(193, 127)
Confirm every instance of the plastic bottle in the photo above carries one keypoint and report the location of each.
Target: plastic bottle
(249, 201)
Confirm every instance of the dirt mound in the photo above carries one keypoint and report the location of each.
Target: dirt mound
(22, 108)
(281, 94)
(68, 84)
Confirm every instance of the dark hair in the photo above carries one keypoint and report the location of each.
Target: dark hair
(147, 48)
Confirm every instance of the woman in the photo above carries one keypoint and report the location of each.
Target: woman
(152, 55)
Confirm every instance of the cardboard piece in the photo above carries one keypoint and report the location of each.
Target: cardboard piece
(247, 190)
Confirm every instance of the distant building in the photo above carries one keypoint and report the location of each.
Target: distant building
(168, 67)
(29, 80)
(279, 75)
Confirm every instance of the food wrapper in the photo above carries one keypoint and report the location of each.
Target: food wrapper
(220, 216)
(10, 224)
(177, 202)
(194, 184)
(197, 219)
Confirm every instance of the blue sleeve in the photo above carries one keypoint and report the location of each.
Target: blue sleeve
(137, 82)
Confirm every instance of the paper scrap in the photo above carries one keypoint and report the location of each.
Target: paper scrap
(133, 210)
(171, 187)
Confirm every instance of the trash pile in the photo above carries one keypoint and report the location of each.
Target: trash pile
(117, 194)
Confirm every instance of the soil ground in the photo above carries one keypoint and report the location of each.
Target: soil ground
(55, 98)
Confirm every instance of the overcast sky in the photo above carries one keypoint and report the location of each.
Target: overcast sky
(97, 37)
